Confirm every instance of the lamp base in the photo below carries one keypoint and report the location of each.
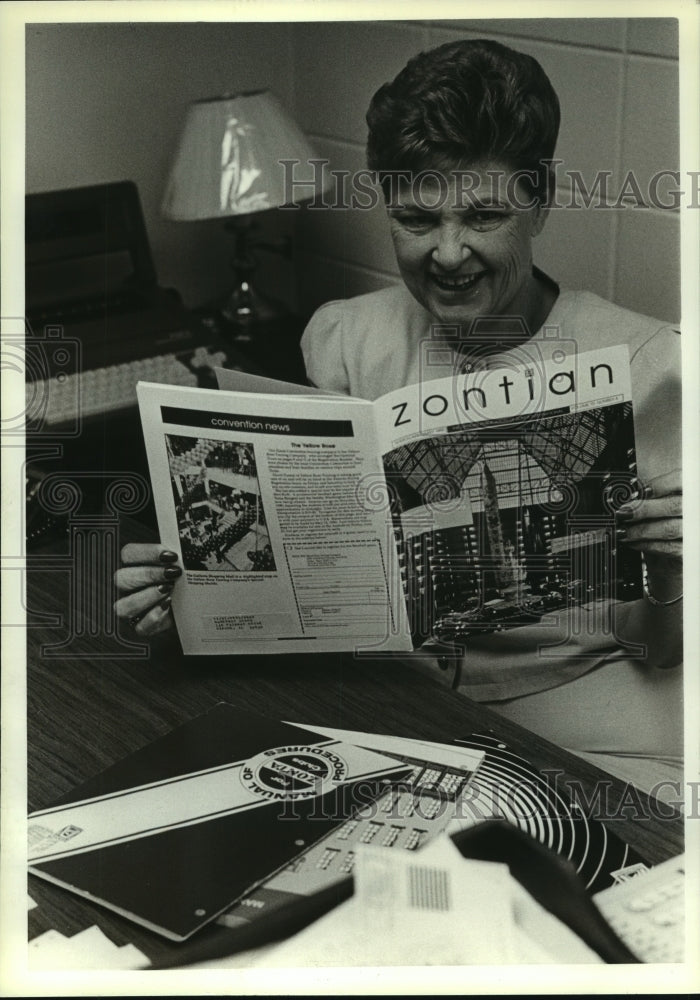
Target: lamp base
(246, 309)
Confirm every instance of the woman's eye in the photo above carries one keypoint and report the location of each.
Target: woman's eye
(414, 222)
(486, 219)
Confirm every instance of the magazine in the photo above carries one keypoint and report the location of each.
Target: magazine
(461, 505)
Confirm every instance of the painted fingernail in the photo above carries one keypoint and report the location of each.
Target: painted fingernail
(641, 490)
(167, 556)
(165, 588)
(620, 534)
(166, 603)
(172, 572)
(624, 514)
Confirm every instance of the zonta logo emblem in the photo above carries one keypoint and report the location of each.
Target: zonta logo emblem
(296, 772)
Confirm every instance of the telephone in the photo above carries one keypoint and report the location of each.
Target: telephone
(647, 911)
(549, 878)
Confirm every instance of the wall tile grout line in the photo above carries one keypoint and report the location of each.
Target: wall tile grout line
(513, 39)
(622, 48)
(610, 68)
(393, 275)
(326, 137)
(613, 274)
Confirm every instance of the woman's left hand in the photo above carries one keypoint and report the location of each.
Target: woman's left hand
(653, 525)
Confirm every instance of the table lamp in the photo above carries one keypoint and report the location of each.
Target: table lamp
(228, 165)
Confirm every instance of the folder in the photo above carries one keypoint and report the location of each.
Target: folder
(176, 832)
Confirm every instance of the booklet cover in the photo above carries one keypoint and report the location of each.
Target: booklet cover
(460, 505)
(172, 835)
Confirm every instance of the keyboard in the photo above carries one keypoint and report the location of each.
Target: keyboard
(648, 911)
(404, 817)
(67, 396)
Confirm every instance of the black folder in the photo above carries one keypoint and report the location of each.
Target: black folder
(172, 835)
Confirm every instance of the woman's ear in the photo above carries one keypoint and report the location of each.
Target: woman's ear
(539, 218)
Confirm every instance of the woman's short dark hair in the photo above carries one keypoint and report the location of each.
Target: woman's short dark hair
(464, 102)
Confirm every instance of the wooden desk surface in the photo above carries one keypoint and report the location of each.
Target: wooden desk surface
(86, 711)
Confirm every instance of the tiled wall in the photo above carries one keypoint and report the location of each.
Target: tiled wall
(617, 81)
(106, 102)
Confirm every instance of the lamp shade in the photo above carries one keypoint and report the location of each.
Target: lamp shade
(228, 160)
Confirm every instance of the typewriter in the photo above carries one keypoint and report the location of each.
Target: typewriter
(97, 319)
(97, 322)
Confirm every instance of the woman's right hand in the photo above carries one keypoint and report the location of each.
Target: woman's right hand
(144, 584)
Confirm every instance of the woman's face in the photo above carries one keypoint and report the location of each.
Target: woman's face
(463, 243)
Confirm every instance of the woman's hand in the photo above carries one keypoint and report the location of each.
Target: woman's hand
(654, 526)
(146, 581)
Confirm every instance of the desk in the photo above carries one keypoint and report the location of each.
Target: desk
(84, 714)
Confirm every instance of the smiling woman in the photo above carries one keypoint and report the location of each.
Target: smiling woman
(462, 142)
(469, 128)
(465, 255)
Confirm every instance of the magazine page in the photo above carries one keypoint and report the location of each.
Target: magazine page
(503, 485)
(268, 501)
(233, 380)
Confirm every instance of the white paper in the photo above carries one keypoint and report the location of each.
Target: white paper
(433, 907)
(270, 505)
(90, 949)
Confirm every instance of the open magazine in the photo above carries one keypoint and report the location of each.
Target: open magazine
(461, 505)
